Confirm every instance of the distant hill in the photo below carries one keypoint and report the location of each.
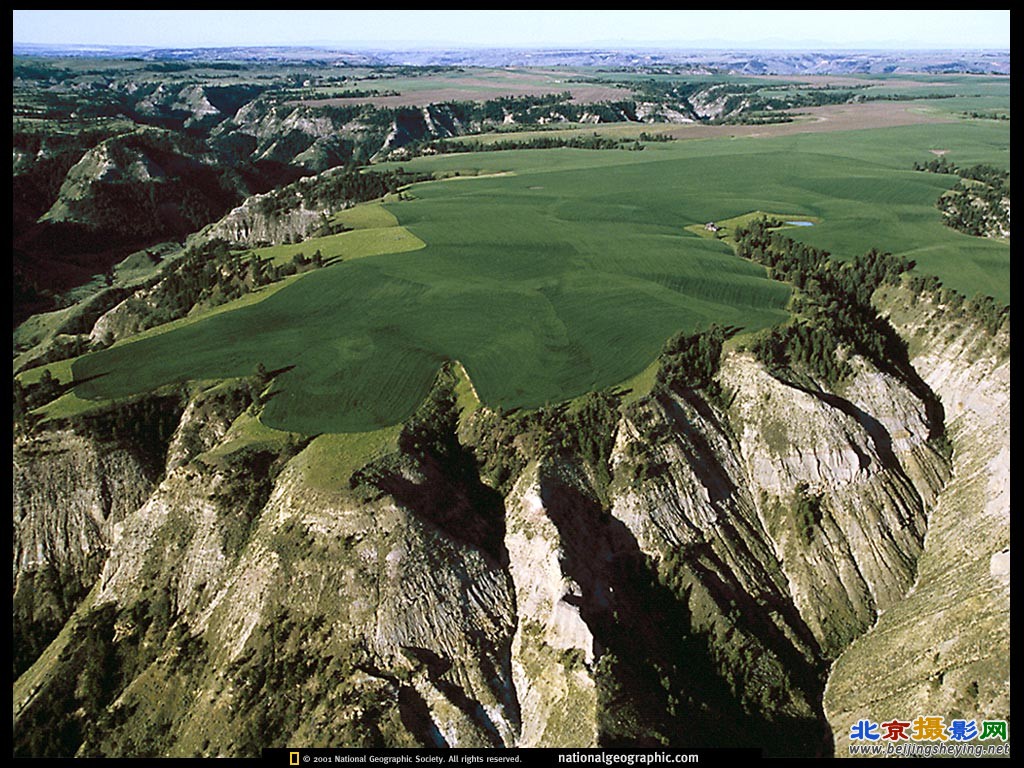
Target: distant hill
(750, 61)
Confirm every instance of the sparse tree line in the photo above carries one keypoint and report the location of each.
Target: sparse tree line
(540, 142)
(984, 310)
(905, 96)
(342, 93)
(212, 273)
(744, 103)
(593, 141)
(535, 110)
(336, 190)
(832, 306)
(979, 204)
(974, 115)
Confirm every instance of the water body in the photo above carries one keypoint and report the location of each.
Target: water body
(801, 223)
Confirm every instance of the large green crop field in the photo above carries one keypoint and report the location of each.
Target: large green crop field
(566, 274)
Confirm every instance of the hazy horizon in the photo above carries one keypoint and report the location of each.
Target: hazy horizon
(609, 29)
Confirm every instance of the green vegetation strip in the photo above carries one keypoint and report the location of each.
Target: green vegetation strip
(567, 276)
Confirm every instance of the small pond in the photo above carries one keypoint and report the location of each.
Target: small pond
(801, 223)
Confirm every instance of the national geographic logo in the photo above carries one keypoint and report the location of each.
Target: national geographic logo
(502, 758)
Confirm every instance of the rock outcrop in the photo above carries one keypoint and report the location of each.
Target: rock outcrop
(943, 648)
(739, 575)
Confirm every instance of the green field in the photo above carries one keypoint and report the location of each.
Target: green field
(566, 275)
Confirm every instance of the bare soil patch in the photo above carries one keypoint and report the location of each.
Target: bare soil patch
(836, 117)
(845, 81)
(492, 85)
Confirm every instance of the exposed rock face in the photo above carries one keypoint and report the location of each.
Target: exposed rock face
(944, 649)
(436, 121)
(121, 160)
(865, 458)
(304, 137)
(249, 225)
(195, 107)
(69, 491)
(553, 650)
(131, 190)
(714, 103)
(783, 593)
(742, 546)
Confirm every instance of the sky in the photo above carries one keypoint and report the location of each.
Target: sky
(682, 29)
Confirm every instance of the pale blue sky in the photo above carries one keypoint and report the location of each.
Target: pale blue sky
(777, 29)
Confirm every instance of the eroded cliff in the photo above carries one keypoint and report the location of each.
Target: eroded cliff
(734, 570)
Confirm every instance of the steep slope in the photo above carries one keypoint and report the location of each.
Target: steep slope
(69, 490)
(143, 184)
(786, 519)
(945, 648)
(693, 591)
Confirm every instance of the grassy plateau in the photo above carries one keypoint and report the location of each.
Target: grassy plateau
(565, 274)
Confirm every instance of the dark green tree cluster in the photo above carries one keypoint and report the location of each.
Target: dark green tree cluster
(984, 310)
(757, 117)
(666, 91)
(804, 346)
(691, 360)
(341, 93)
(73, 710)
(589, 432)
(433, 427)
(143, 424)
(539, 142)
(44, 599)
(833, 303)
(936, 165)
(981, 212)
(57, 721)
(979, 204)
(492, 435)
(279, 684)
(525, 109)
(655, 137)
(302, 263)
(988, 175)
(29, 397)
(1002, 116)
(645, 458)
(806, 512)
(741, 103)
(812, 97)
(583, 430)
(212, 273)
(333, 191)
(246, 486)
(905, 96)
(39, 69)
(505, 442)
(533, 110)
